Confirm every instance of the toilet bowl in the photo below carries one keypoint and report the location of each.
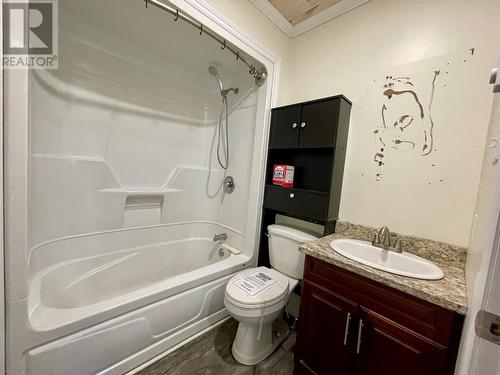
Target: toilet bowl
(256, 297)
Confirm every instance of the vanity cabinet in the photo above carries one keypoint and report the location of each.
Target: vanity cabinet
(410, 353)
(326, 348)
(349, 324)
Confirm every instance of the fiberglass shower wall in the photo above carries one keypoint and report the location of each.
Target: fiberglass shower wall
(122, 133)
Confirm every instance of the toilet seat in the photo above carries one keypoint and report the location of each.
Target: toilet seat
(257, 288)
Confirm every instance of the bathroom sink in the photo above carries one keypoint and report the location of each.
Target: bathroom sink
(404, 264)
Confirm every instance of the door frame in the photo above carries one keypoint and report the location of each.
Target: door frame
(469, 344)
(488, 271)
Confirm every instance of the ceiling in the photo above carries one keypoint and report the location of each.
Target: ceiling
(295, 17)
(296, 11)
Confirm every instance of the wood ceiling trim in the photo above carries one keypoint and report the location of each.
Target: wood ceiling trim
(297, 11)
(304, 14)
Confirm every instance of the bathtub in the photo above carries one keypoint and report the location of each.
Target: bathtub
(125, 296)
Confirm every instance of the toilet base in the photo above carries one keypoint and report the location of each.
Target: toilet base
(249, 350)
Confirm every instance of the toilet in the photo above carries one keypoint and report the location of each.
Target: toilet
(256, 297)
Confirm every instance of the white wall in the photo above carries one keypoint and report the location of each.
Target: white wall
(348, 53)
(353, 53)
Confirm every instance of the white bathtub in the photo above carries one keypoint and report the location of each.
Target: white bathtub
(152, 286)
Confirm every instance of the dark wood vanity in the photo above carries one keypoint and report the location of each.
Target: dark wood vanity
(350, 324)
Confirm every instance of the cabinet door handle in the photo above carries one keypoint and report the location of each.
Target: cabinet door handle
(303, 125)
(346, 332)
(358, 345)
(292, 195)
(294, 125)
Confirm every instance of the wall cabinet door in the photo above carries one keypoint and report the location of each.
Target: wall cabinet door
(319, 122)
(301, 203)
(325, 332)
(285, 125)
(388, 348)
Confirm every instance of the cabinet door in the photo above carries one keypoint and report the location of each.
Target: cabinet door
(319, 122)
(385, 347)
(325, 332)
(296, 202)
(285, 127)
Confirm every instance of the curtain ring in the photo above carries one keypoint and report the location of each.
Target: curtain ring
(201, 29)
(237, 55)
(176, 15)
(223, 45)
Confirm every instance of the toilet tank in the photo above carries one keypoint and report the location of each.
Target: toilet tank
(284, 253)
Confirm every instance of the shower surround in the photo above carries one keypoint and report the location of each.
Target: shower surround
(117, 262)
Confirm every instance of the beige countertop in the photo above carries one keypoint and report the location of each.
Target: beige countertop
(449, 292)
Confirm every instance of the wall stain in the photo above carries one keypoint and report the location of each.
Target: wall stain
(431, 128)
(385, 137)
(402, 120)
(384, 108)
(390, 92)
(399, 141)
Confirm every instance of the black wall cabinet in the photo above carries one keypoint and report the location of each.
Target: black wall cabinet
(311, 136)
(312, 124)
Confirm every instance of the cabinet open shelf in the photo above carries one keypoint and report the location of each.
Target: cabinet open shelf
(313, 166)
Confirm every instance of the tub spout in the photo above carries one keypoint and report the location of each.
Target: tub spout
(220, 237)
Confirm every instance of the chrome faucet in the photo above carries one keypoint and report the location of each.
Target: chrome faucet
(220, 237)
(382, 240)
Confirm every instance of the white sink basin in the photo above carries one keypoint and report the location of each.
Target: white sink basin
(404, 264)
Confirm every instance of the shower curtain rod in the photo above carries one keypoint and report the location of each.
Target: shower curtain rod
(260, 76)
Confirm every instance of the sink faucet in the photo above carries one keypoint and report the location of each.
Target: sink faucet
(220, 237)
(382, 240)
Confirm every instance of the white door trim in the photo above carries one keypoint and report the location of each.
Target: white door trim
(490, 220)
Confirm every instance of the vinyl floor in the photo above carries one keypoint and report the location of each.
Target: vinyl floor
(211, 354)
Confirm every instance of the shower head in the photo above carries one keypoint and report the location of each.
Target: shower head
(213, 72)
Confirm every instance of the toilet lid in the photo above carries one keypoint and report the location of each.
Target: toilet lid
(257, 286)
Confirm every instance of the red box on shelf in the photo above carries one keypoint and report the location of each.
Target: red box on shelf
(283, 175)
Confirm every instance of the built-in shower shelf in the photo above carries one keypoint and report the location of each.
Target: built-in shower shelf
(138, 191)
